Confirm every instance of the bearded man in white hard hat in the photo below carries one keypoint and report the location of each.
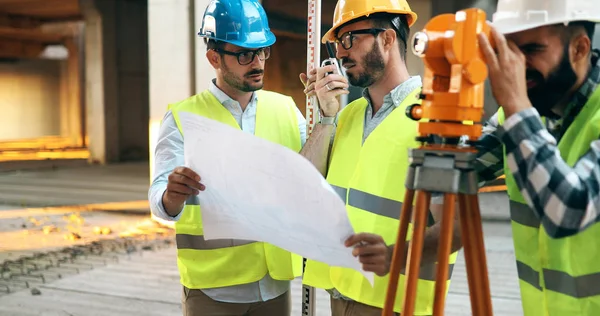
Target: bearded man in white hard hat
(545, 138)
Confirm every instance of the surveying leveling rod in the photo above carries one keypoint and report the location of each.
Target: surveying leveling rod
(452, 104)
(313, 57)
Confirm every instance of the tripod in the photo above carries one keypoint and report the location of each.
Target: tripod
(452, 106)
(448, 170)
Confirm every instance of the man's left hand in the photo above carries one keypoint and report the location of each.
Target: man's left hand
(372, 252)
(506, 72)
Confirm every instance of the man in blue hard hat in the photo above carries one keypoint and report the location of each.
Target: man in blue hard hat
(227, 277)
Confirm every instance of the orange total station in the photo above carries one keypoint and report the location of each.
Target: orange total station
(451, 109)
(453, 82)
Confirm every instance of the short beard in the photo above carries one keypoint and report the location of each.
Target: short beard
(373, 66)
(548, 92)
(239, 83)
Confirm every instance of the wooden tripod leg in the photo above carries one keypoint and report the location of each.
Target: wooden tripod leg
(444, 253)
(473, 247)
(399, 255)
(415, 252)
(467, 242)
(479, 245)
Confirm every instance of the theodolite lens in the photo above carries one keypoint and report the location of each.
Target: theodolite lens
(419, 46)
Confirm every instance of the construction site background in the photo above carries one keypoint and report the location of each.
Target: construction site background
(83, 87)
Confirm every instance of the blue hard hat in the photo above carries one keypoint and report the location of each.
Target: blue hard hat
(239, 22)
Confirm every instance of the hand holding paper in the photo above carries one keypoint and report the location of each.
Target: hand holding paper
(259, 190)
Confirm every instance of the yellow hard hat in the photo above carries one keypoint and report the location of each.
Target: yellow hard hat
(348, 10)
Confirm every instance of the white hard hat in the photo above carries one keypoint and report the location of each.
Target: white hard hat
(518, 15)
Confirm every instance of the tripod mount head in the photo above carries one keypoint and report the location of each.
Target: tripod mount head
(455, 72)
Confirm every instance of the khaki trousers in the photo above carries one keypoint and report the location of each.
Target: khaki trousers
(196, 303)
(340, 307)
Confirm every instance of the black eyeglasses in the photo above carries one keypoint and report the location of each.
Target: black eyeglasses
(246, 57)
(347, 38)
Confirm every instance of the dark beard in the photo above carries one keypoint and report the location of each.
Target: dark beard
(373, 66)
(548, 92)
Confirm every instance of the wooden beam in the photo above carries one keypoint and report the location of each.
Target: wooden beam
(42, 9)
(19, 21)
(30, 35)
(20, 49)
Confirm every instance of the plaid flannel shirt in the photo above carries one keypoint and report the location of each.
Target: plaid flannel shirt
(567, 199)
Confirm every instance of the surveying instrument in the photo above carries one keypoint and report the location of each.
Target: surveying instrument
(451, 109)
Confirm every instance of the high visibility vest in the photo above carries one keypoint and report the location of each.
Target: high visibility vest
(370, 177)
(226, 262)
(558, 277)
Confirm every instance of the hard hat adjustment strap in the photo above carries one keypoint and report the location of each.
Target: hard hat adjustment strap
(396, 23)
(595, 56)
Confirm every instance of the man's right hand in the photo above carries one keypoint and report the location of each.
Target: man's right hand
(183, 182)
(327, 88)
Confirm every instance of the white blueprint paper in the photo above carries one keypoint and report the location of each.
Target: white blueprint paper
(259, 190)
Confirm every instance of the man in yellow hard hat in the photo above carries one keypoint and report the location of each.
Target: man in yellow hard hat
(367, 160)
(544, 66)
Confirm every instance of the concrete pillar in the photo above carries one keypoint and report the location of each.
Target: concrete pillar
(176, 56)
(94, 82)
(71, 105)
(101, 80)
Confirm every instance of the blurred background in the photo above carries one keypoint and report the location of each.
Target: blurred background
(84, 85)
(87, 81)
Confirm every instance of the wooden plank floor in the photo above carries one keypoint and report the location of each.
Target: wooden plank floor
(148, 284)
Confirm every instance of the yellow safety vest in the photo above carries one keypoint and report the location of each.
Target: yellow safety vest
(371, 179)
(225, 262)
(558, 277)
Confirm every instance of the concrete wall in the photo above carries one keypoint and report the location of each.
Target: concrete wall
(178, 66)
(117, 79)
(30, 99)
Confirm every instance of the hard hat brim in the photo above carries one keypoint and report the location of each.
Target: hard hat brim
(510, 26)
(330, 35)
(263, 41)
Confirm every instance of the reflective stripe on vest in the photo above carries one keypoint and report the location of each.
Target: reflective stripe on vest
(188, 241)
(522, 214)
(226, 262)
(375, 204)
(557, 281)
(561, 282)
(560, 276)
(370, 177)
(185, 241)
(388, 208)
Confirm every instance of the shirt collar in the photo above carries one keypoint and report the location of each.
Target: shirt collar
(399, 93)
